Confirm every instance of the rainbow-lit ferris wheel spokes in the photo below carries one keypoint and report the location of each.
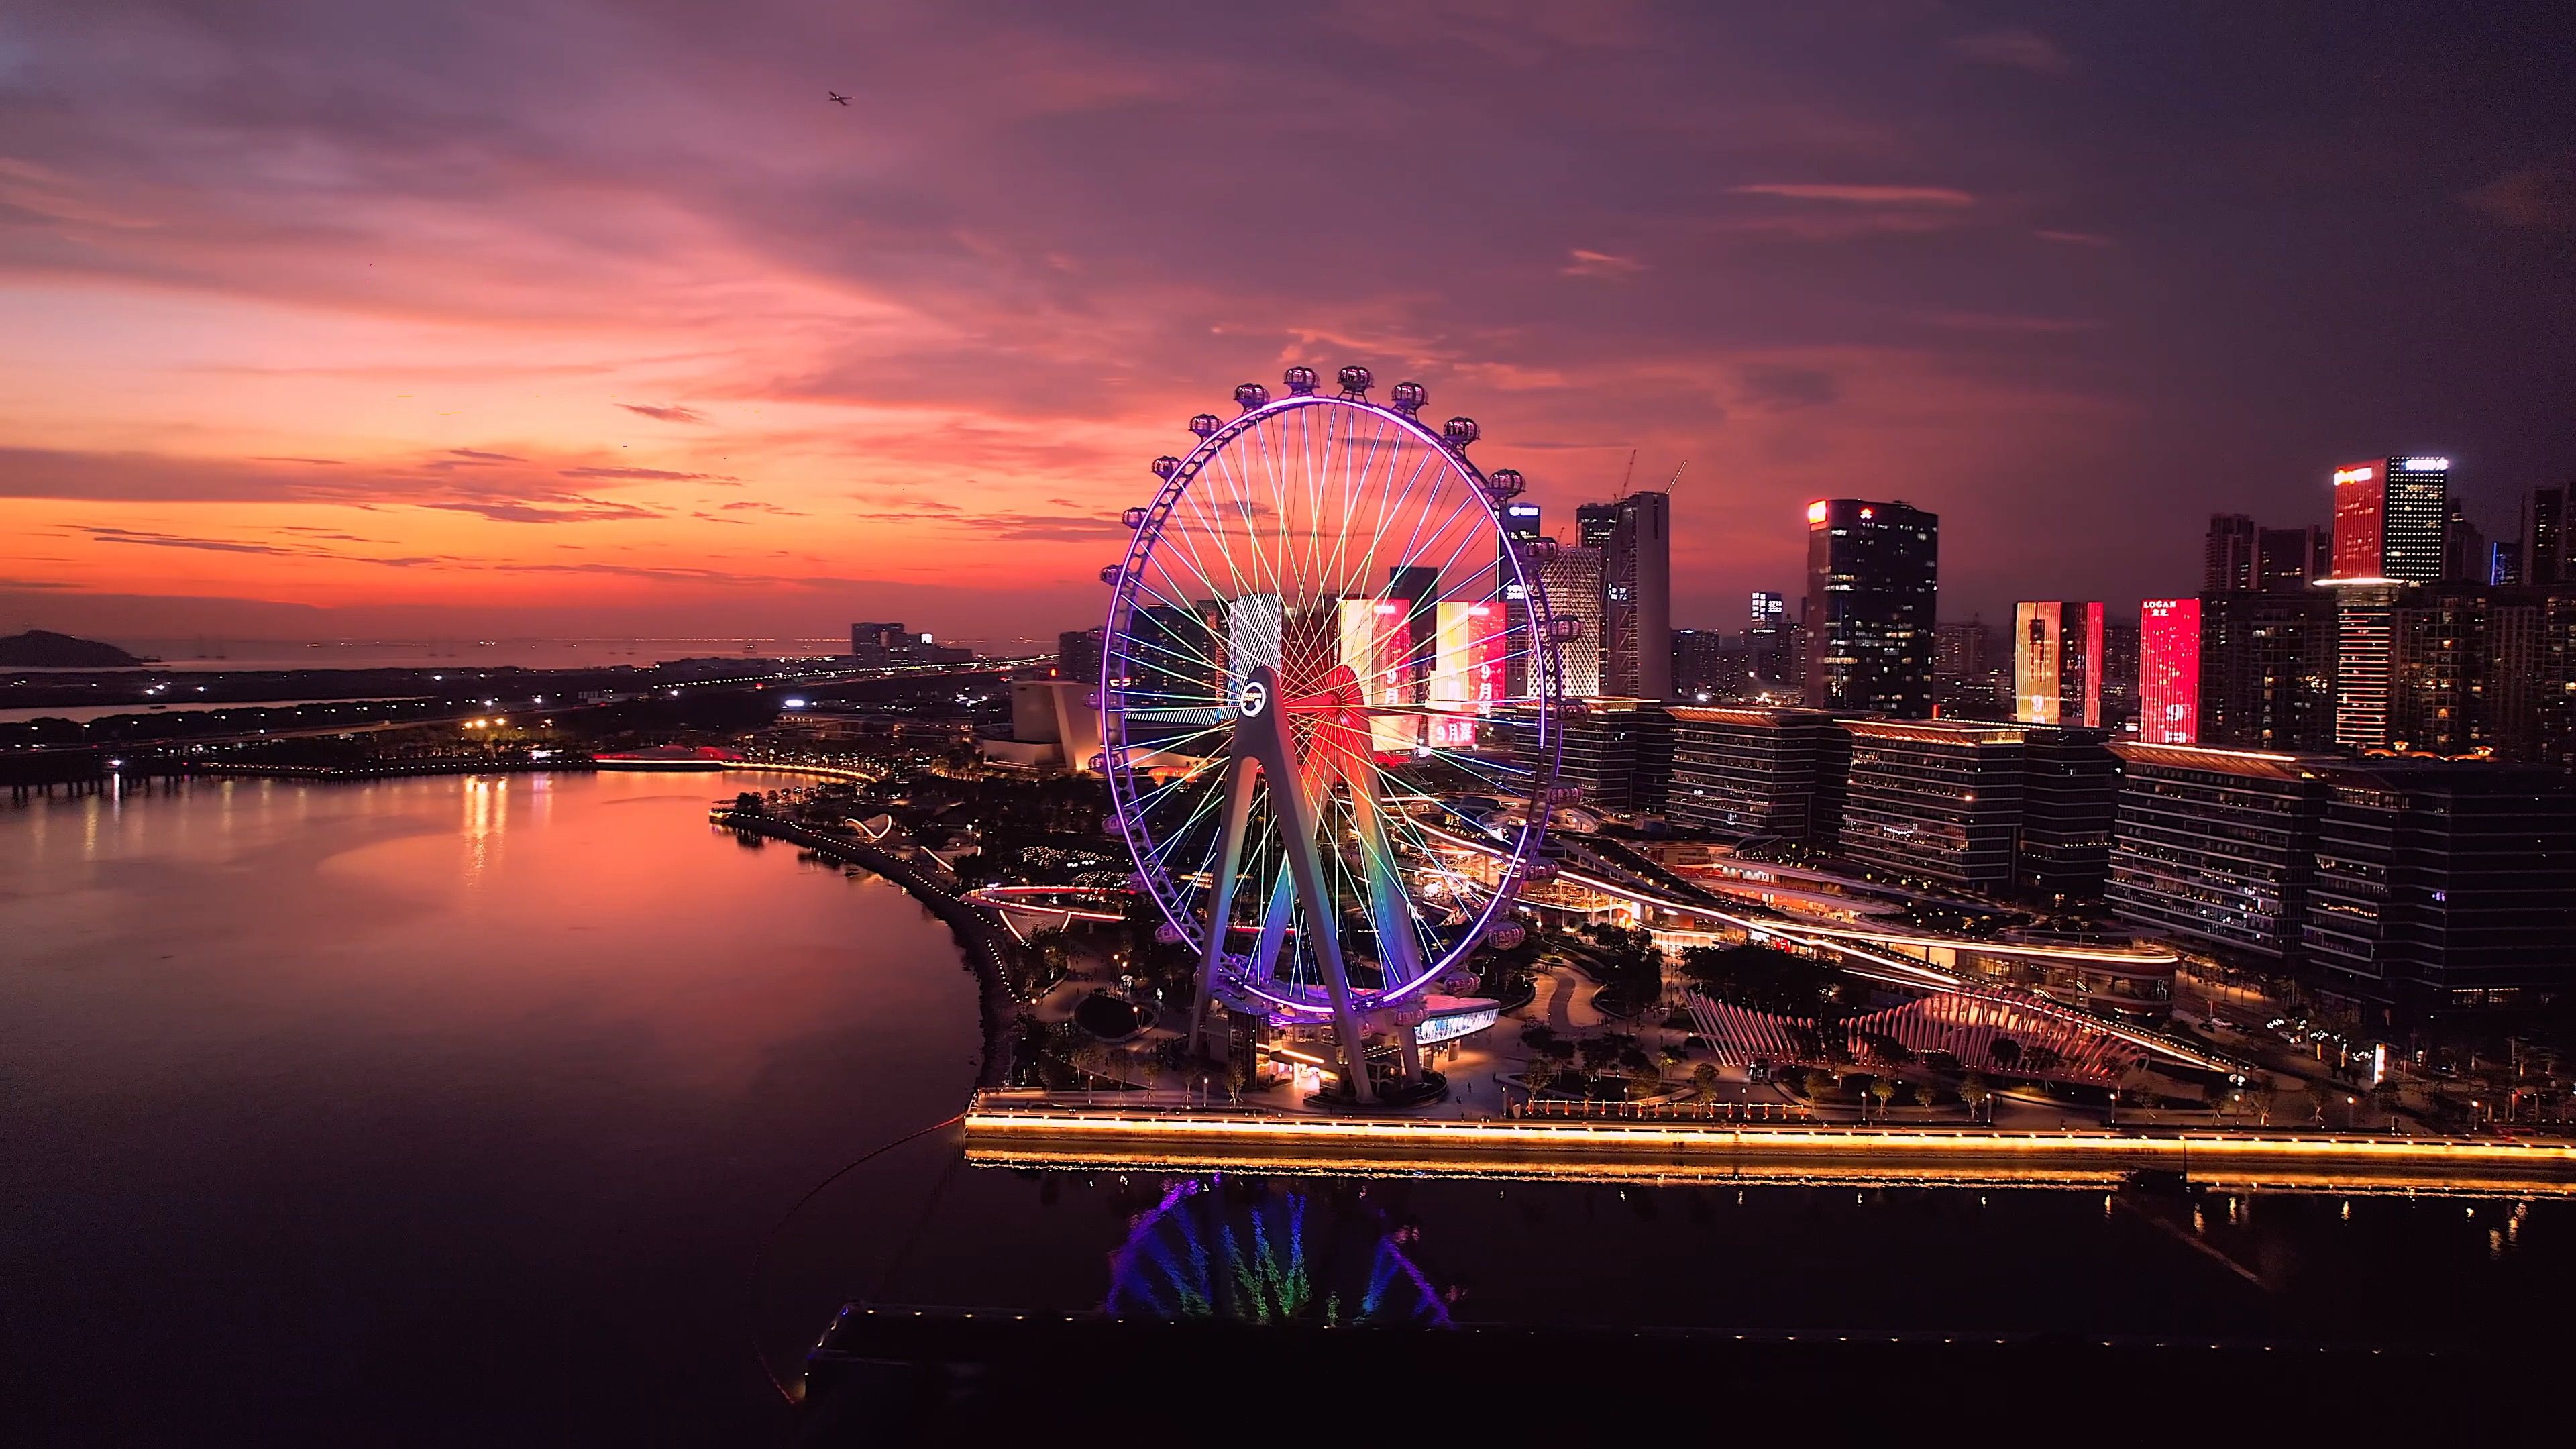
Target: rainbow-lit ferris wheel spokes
(1324, 662)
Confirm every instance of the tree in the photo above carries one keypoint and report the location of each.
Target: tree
(2265, 1092)
(1884, 1089)
(1539, 1074)
(1885, 1049)
(2005, 1051)
(1974, 1091)
(1704, 1083)
(1814, 1082)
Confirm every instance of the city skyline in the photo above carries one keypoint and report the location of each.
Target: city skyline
(335, 332)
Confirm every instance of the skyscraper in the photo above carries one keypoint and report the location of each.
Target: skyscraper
(1873, 581)
(1971, 673)
(1767, 655)
(2464, 548)
(2169, 672)
(1634, 537)
(1077, 655)
(2267, 670)
(2121, 642)
(1572, 580)
(1418, 586)
(1520, 526)
(1706, 665)
(2544, 536)
(2392, 519)
(2227, 554)
(2365, 637)
(2288, 559)
(2057, 663)
(2391, 516)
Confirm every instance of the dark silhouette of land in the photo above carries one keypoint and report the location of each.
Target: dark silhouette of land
(45, 649)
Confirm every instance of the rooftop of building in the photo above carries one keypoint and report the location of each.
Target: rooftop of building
(1750, 714)
(2253, 764)
(1937, 731)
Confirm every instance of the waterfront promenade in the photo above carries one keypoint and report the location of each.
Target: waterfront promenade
(1061, 1130)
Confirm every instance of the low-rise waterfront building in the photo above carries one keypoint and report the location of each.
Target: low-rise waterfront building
(2216, 847)
(1935, 799)
(1743, 772)
(2444, 884)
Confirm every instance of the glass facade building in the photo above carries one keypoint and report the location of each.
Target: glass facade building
(1740, 773)
(1935, 800)
(2445, 884)
(2216, 847)
(2169, 672)
(1873, 582)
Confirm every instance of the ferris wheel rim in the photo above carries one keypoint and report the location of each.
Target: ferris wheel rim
(1118, 768)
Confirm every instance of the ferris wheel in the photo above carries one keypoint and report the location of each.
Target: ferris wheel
(1328, 708)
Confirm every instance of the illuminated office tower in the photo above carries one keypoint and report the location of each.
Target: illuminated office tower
(1418, 586)
(1468, 678)
(1520, 527)
(1873, 580)
(1377, 644)
(1767, 652)
(2120, 644)
(2392, 518)
(2267, 670)
(2169, 672)
(1595, 524)
(2057, 663)
(1572, 580)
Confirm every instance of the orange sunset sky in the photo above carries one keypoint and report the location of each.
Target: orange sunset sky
(355, 319)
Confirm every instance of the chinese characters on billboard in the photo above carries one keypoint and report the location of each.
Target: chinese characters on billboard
(1377, 643)
(2169, 672)
(1467, 673)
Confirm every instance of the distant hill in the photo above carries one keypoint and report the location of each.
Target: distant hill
(44, 649)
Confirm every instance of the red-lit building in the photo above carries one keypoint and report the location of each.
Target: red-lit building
(2169, 672)
(2391, 519)
(2057, 663)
